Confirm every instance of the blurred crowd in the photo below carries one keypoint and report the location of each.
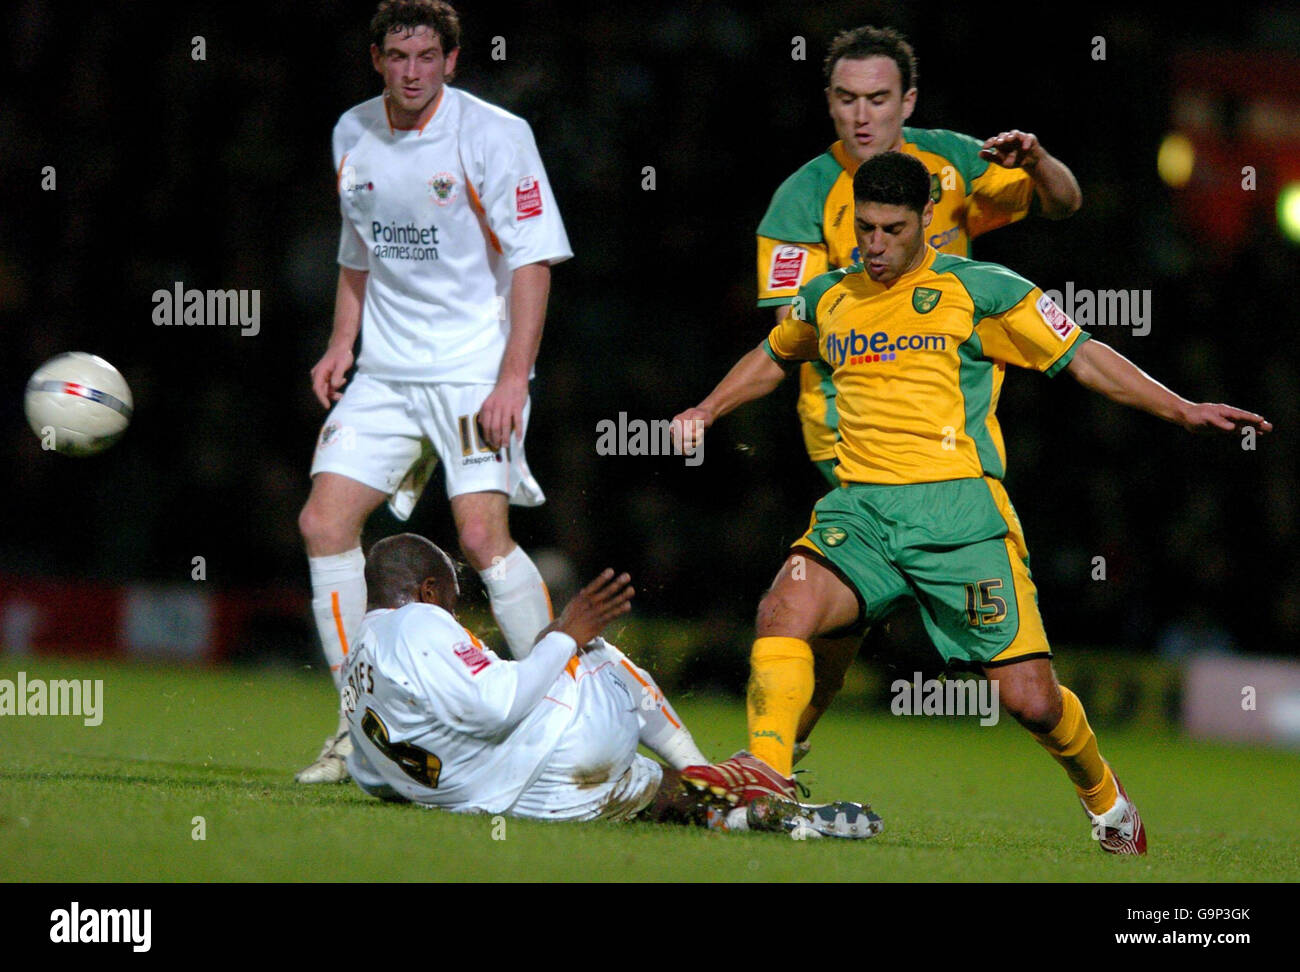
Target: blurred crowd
(217, 173)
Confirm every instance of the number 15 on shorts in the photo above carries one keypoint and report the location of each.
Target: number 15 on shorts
(982, 605)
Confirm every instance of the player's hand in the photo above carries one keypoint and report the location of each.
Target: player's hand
(597, 604)
(1013, 150)
(687, 428)
(328, 376)
(502, 413)
(1214, 417)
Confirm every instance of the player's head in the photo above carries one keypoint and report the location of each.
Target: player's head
(413, 45)
(891, 208)
(870, 88)
(408, 568)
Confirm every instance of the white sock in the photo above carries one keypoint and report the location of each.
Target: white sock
(738, 819)
(662, 731)
(519, 599)
(338, 602)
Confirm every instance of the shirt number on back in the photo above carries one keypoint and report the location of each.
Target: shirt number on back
(419, 764)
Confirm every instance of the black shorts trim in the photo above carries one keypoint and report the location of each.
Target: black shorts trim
(1018, 658)
(856, 628)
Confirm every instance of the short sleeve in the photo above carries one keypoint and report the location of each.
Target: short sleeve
(352, 248)
(516, 198)
(785, 267)
(791, 238)
(792, 340)
(1033, 333)
(998, 197)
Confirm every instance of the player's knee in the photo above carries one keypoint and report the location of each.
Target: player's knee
(1036, 709)
(779, 615)
(322, 532)
(481, 540)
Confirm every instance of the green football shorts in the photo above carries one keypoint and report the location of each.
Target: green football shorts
(956, 547)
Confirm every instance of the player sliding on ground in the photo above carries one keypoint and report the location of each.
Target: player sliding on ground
(918, 343)
(438, 719)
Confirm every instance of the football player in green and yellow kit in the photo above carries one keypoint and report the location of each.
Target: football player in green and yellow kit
(917, 343)
(808, 228)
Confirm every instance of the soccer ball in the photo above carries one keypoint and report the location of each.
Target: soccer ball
(78, 404)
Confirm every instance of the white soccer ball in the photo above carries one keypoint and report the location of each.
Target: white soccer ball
(78, 404)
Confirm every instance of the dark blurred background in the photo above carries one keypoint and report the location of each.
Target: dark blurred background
(218, 173)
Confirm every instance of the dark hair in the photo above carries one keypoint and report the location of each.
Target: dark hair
(894, 179)
(405, 15)
(398, 566)
(863, 42)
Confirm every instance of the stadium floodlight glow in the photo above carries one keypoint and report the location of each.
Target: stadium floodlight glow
(1175, 160)
(1288, 211)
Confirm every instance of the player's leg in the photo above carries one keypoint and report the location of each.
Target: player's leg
(662, 730)
(517, 594)
(805, 600)
(330, 524)
(836, 579)
(980, 606)
(366, 446)
(831, 660)
(482, 484)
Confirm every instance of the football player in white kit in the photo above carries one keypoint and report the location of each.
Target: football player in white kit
(440, 720)
(449, 231)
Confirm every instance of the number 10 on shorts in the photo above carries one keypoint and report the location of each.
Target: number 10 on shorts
(466, 423)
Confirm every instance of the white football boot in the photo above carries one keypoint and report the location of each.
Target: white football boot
(331, 765)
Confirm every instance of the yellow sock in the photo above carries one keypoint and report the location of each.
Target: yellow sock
(780, 687)
(1073, 745)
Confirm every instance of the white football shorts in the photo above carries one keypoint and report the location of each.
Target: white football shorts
(595, 771)
(391, 435)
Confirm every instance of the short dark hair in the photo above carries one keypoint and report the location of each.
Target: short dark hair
(894, 179)
(863, 42)
(397, 567)
(395, 16)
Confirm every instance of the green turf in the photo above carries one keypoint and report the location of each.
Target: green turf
(115, 802)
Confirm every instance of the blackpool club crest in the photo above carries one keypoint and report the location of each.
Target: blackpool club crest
(443, 189)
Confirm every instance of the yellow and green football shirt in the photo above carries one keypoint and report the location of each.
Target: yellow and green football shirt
(917, 366)
(808, 230)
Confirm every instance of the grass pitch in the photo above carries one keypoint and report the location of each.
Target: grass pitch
(118, 802)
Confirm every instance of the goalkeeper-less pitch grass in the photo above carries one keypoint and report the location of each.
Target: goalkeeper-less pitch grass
(118, 801)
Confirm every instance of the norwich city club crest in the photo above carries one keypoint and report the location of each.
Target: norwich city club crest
(833, 536)
(924, 299)
(936, 189)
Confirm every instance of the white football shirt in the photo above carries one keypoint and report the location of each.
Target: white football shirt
(428, 707)
(440, 217)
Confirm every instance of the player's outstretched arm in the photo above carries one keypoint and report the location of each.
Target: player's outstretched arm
(1107, 372)
(753, 376)
(1058, 191)
(583, 618)
(330, 371)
